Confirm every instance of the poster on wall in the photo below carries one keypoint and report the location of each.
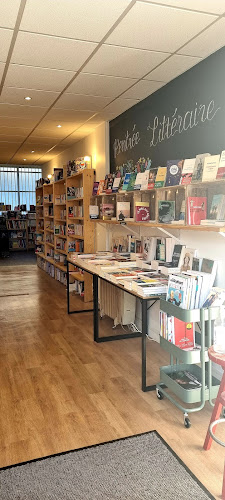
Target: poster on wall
(180, 120)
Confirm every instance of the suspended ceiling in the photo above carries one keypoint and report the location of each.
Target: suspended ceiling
(86, 61)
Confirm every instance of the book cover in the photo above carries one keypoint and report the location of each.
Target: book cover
(221, 168)
(100, 187)
(152, 177)
(186, 380)
(210, 168)
(131, 182)
(198, 167)
(71, 229)
(183, 334)
(196, 209)
(186, 258)
(107, 210)
(144, 182)
(93, 211)
(217, 210)
(173, 174)
(176, 255)
(95, 188)
(160, 177)
(187, 170)
(216, 297)
(126, 181)
(142, 212)
(116, 184)
(123, 210)
(166, 211)
(70, 212)
(110, 181)
(138, 181)
(149, 248)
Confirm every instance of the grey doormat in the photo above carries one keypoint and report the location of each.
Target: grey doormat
(140, 467)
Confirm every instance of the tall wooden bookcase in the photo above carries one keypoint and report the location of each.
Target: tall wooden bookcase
(54, 222)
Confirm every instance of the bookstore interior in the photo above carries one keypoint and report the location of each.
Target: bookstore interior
(112, 254)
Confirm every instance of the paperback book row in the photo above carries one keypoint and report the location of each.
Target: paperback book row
(52, 270)
(75, 229)
(49, 225)
(48, 198)
(60, 244)
(203, 168)
(74, 192)
(75, 211)
(17, 224)
(49, 238)
(60, 229)
(60, 199)
(75, 246)
(152, 248)
(48, 211)
(75, 166)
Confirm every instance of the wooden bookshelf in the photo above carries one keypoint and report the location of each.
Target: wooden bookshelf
(60, 217)
(178, 194)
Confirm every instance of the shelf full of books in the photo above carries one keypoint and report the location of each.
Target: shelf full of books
(64, 226)
(21, 229)
(186, 194)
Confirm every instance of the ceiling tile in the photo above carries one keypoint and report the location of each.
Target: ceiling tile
(51, 52)
(172, 68)
(2, 66)
(99, 85)
(66, 127)
(13, 131)
(37, 78)
(21, 111)
(82, 102)
(68, 115)
(213, 7)
(11, 138)
(12, 121)
(142, 89)
(8, 13)
(12, 95)
(5, 40)
(120, 105)
(122, 61)
(80, 19)
(209, 41)
(163, 28)
(47, 142)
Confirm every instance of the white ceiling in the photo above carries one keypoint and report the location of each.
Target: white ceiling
(86, 61)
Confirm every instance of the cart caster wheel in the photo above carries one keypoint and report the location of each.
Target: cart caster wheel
(159, 394)
(187, 423)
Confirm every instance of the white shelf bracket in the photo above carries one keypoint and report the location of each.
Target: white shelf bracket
(169, 234)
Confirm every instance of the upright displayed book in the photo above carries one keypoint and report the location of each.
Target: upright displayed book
(131, 182)
(187, 170)
(107, 211)
(145, 179)
(123, 210)
(116, 184)
(186, 258)
(95, 188)
(221, 168)
(152, 178)
(138, 181)
(196, 209)
(160, 177)
(142, 213)
(173, 175)
(126, 181)
(217, 210)
(166, 211)
(198, 167)
(100, 187)
(210, 168)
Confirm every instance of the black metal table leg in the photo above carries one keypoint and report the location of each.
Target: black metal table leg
(95, 304)
(145, 387)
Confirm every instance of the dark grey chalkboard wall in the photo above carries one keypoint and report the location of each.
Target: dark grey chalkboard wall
(180, 120)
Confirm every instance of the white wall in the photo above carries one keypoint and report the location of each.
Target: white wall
(94, 145)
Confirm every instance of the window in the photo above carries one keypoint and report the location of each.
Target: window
(17, 185)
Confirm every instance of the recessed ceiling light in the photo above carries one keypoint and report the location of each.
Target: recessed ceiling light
(59, 126)
(32, 151)
(24, 159)
(27, 98)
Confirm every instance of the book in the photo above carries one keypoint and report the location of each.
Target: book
(145, 178)
(166, 211)
(183, 334)
(210, 222)
(110, 181)
(160, 177)
(216, 297)
(221, 169)
(142, 212)
(152, 178)
(71, 229)
(198, 167)
(217, 210)
(107, 211)
(116, 184)
(177, 290)
(173, 174)
(186, 258)
(131, 182)
(187, 170)
(196, 209)
(100, 187)
(138, 181)
(93, 211)
(210, 168)
(123, 210)
(126, 181)
(149, 248)
(95, 188)
(185, 379)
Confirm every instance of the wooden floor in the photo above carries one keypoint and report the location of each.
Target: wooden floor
(59, 390)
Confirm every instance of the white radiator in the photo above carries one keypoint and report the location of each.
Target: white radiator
(117, 304)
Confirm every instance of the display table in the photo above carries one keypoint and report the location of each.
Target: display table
(98, 274)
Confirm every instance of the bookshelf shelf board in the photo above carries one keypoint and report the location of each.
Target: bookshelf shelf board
(77, 276)
(59, 181)
(60, 220)
(48, 202)
(79, 173)
(215, 229)
(37, 206)
(39, 242)
(40, 254)
(74, 199)
(49, 244)
(63, 252)
(56, 264)
(39, 231)
(75, 236)
(49, 231)
(75, 218)
(61, 236)
(40, 218)
(60, 204)
(49, 217)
